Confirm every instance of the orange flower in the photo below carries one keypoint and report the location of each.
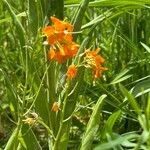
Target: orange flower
(61, 25)
(70, 49)
(55, 107)
(63, 52)
(59, 36)
(98, 71)
(95, 61)
(60, 31)
(51, 54)
(72, 71)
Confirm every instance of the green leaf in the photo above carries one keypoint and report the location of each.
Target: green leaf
(93, 125)
(146, 47)
(110, 122)
(130, 98)
(27, 138)
(11, 96)
(120, 77)
(141, 88)
(19, 28)
(78, 16)
(98, 19)
(120, 140)
(33, 16)
(148, 108)
(11, 144)
(8, 19)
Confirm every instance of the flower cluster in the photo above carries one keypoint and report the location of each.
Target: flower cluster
(59, 37)
(62, 47)
(94, 61)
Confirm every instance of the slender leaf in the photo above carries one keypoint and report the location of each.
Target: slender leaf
(146, 47)
(12, 142)
(131, 99)
(27, 138)
(93, 125)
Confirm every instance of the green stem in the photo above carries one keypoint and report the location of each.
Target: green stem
(57, 144)
(78, 17)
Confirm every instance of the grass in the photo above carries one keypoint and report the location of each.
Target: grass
(110, 112)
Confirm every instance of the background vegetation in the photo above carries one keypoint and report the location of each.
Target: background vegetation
(112, 112)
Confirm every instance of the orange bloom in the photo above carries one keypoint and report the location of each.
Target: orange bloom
(95, 61)
(63, 52)
(55, 107)
(59, 37)
(60, 31)
(61, 25)
(98, 71)
(72, 71)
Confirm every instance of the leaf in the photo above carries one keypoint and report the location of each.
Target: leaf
(93, 125)
(19, 28)
(23, 14)
(78, 16)
(131, 99)
(27, 138)
(120, 77)
(141, 88)
(146, 47)
(116, 142)
(11, 96)
(11, 144)
(97, 19)
(147, 111)
(110, 122)
(33, 16)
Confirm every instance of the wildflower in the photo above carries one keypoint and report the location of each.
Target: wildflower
(61, 25)
(29, 121)
(55, 107)
(72, 71)
(60, 31)
(95, 61)
(59, 37)
(62, 52)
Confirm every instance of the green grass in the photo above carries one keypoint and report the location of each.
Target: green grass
(112, 112)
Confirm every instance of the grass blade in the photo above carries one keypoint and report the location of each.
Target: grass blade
(77, 20)
(93, 125)
(33, 16)
(20, 30)
(11, 144)
(131, 99)
(146, 47)
(28, 139)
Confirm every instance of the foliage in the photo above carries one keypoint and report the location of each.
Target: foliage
(51, 102)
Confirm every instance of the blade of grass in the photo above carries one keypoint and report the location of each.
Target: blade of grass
(78, 17)
(118, 141)
(28, 139)
(131, 99)
(93, 125)
(146, 47)
(110, 122)
(120, 77)
(19, 28)
(12, 142)
(33, 17)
